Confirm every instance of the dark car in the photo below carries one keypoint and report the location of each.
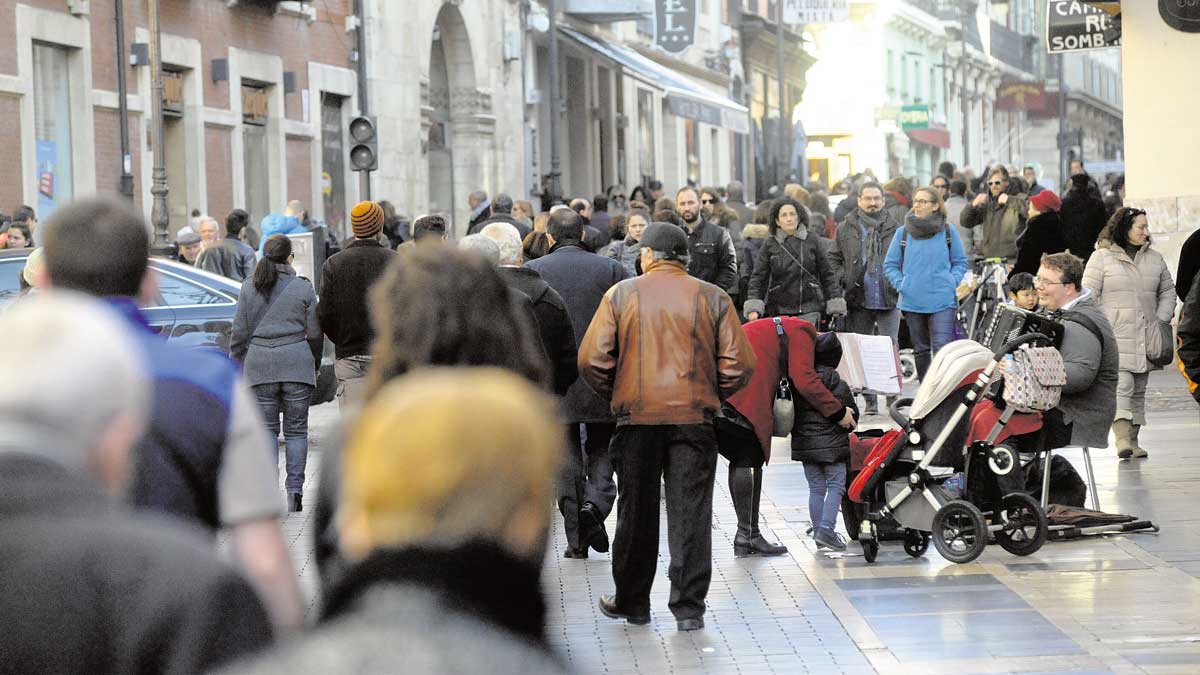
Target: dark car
(191, 307)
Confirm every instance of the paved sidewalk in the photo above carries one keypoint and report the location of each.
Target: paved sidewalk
(1119, 604)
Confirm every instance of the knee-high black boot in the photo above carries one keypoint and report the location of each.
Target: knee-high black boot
(745, 487)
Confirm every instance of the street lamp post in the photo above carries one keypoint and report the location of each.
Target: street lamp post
(785, 152)
(160, 217)
(126, 184)
(555, 187)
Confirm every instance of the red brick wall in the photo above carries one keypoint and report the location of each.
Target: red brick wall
(108, 152)
(10, 140)
(299, 170)
(218, 154)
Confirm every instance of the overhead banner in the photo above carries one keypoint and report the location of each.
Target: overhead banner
(815, 11)
(1072, 26)
(1021, 96)
(675, 24)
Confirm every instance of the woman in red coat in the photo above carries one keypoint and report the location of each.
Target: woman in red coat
(744, 430)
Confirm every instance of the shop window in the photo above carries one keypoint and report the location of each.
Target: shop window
(646, 134)
(691, 132)
(333, 165)
(52, 126)
(255, 110)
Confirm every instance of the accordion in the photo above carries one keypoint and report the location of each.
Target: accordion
(1008, 322)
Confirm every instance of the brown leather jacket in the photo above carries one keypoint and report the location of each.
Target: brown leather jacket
(666, 347)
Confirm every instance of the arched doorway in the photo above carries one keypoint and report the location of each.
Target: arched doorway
(451, 79)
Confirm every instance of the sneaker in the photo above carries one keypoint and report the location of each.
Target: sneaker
(829, 539)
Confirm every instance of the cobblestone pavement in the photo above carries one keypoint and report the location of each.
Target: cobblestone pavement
(1121, 604)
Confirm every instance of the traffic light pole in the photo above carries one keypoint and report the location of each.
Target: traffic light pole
(360, 46)
(555, 187)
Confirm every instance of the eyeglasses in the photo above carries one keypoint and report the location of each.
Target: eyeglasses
(1039, 281)
(941, 186)
(708, 201)
(923, 201)
(1134, 213)
(995, 182)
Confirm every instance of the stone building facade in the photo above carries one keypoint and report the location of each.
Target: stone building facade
(257, 95)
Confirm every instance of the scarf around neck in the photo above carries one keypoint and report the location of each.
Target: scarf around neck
(924, 228)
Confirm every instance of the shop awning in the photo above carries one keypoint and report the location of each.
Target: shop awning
(938, 137)
(685, 97)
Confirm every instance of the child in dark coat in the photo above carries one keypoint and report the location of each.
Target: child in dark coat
(824, 446)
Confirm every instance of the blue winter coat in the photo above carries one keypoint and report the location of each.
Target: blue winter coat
(929, 272)
(277, 223)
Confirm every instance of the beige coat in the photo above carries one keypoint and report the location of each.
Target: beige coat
(1125, 289)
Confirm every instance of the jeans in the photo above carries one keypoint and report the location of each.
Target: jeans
(1131, 396)
(684, 457)
(351, 373)
(826, 485)
(587, 475)
(929, 333)
(874, 322)
(291, 400)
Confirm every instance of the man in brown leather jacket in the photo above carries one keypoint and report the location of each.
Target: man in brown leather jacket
(667, 348)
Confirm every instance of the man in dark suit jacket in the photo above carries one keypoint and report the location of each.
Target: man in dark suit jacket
(501, 212)
(587, 492)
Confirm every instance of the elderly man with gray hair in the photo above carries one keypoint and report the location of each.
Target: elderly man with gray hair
(98, 585)
(554, 322)
(501, 212)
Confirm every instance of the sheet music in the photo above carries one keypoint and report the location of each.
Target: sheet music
(870, 363)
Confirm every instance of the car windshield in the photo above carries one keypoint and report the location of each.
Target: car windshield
(10, 284)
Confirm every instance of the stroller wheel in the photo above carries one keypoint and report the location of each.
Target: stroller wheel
(916, 543)
(870, 549)
(1024, 524)
(959, 531)
(1002, 460)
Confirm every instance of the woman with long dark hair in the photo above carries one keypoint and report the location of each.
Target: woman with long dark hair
(1133, 285)
(792, 276)
(278, 339)
(437, 306)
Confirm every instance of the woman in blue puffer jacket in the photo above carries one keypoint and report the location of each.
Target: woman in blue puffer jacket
(925, 262)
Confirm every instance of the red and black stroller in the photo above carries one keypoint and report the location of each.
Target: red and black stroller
(947, 473)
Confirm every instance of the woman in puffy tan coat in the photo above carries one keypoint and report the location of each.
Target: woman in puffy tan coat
(1130, 280)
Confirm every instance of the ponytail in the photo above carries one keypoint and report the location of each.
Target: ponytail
(276, 251)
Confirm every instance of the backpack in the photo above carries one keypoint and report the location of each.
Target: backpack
(904, 245)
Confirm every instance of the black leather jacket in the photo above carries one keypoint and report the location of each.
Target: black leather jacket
(713, 257)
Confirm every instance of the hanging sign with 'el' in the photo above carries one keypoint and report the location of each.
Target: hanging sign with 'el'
(675, 24)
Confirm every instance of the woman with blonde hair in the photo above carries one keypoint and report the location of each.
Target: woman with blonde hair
(924, 263)
(444, 529)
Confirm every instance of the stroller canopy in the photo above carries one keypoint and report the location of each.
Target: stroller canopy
(953, 364)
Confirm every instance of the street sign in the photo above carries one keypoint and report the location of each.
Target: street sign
(914, 117)
(1182, 15)
(1072, 25)
(675, 24)
(1014, 95)
(815, 11)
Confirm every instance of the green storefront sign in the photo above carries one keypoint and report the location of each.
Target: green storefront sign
(914, 117)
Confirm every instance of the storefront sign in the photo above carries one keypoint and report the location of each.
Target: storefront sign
(1021, 96)
(815, 11)
(675, 24)
(694, 110)
(1072, 25)
(914, 117)
(1182, 15)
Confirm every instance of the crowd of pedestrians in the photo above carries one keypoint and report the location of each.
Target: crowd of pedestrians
(600, 356)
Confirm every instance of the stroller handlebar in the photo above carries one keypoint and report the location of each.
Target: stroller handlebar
(1014, 344)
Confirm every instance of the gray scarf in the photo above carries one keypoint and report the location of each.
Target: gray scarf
(872, 222)
(924, 228)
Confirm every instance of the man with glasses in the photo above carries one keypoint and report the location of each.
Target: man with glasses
(1001, 216)
(859, 247)
(1089, 351)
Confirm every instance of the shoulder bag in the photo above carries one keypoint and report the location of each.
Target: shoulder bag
(1034, 378)
(783, 408)
(1160, 335)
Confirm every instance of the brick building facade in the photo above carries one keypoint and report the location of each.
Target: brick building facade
(257, 99)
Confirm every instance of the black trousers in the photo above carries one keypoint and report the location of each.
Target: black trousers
(587, 475)
(685, 457)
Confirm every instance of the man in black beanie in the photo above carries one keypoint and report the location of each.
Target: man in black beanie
(666, 348)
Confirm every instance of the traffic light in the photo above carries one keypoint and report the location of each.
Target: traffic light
(364, 144)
